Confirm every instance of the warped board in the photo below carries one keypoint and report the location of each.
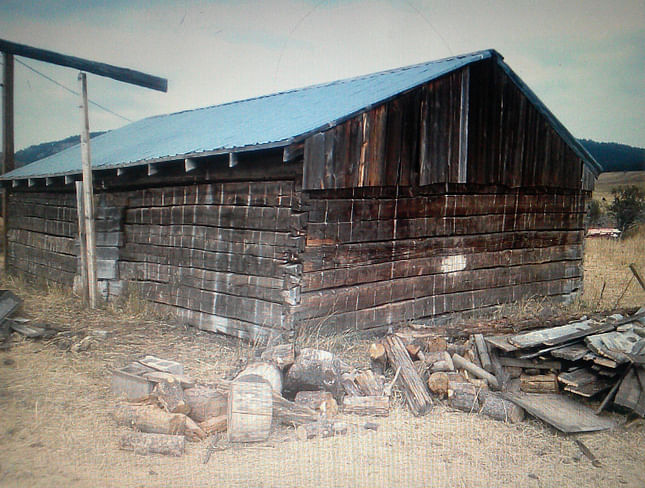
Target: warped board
(561, 412)
(549, 336)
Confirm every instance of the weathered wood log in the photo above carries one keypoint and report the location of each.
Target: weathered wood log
(482, 351)
(269, 372)
(289, 413)
(348, 382)
(150, 419)
(378, 358)
(438, 384)
(282, 356)
(205, 402)
(503, 377)
(542, 383)
(214, 424)
(315, 369)
(435, 343)
(414, 389)
(463, 363)
(413, 350)
(144, 443)
(378, 406)
(322, 401)
(320, 429)
(250, 409)
(157, 376)
(368, 383)
(194, 432)
(170, 396)
(500, 409)
(463, 396)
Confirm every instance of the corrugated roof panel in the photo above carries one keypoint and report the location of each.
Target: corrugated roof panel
(258, 121)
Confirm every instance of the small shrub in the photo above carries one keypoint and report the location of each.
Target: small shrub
(594, 213)
(628, 206)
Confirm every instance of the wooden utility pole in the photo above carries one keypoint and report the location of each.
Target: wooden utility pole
(88, 193)
(80, 210)
(7, 141)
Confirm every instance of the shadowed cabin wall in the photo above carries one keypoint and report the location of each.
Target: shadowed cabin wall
(479, 202)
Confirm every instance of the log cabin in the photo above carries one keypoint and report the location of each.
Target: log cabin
(415, 193)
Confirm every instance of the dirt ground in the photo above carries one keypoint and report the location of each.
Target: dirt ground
(56, 429)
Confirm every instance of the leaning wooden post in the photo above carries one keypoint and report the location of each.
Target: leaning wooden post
(7, 143)
(88, 193)
(82, 239)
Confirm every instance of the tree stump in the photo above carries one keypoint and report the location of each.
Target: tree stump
(250, 409)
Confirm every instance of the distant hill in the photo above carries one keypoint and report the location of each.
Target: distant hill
(44, 149)
(616, 157)
(611, 155)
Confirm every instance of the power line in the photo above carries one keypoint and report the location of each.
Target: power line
(70, 90)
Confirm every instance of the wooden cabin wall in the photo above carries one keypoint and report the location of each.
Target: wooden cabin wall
(376, 257)
(473, 125)
(42, 233)
(215, 254)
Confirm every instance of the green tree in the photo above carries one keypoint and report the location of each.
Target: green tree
(628, 206)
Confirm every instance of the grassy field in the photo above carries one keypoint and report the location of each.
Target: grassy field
(56, 428)
(607, 181)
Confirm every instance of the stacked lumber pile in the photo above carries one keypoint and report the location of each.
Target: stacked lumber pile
(602, 359)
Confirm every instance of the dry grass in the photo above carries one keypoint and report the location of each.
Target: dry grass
(56, 428)
(607, 181)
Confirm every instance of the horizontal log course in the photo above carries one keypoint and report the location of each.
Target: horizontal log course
(49, 211)
(243, 285)
(365, 231)
(436, 305)
(35, 271)
(64, 262)
(350, 210)
(195, 258)
(225, 216)
(193, 235)
(44, 226)
(229, 306)
(245, 193)
(56, 244)
(359, 297)
(237, 328)
(353, 254)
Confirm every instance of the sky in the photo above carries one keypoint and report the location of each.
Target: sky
(584, 59)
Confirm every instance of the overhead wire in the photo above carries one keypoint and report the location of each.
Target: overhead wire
(98, 105)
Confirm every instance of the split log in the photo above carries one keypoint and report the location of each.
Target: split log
(438, 384)
(290, 413)
(503, 377)
(482, 351)
(205, 402)
(250, 409)
(414, 389)
(378, 358)
(378, 406)
(463, 363)
(348, 382)
(413, 350)
(320, 429)
(501, 409)
(283, 355)
(543, 383)
(144, 444)
(369, 384)
(265, 370)
(322, 401)
(150, 419)
(463, 396)
(214, 424)
(315, 369)
(170, 396)
(194, 432)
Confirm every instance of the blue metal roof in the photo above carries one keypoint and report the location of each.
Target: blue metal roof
(272, 120)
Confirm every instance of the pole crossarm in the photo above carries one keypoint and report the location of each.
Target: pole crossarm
(125, 75)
